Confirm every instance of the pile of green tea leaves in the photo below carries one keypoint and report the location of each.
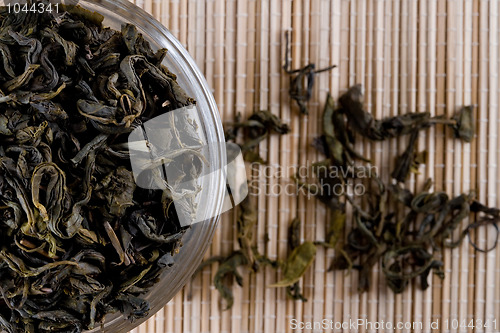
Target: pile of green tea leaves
(402, 230)
(78, 238)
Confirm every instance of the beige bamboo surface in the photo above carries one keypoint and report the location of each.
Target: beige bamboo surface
(432, 55)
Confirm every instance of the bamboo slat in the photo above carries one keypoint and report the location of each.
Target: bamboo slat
(383, 77)
(334, 282)
(469, 309)
(287, 203)
(440, 77)
(483, 88)
(273, 57)
(492, 153)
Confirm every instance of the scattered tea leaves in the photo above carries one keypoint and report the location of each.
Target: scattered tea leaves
(255, 129)
(294, 291)
(405, 244)
(378, 234)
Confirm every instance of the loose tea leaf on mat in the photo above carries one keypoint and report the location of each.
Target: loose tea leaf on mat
(335, 228)
(294, 291)
(79, 239)
(296, 264)
(301, 85)
(464, 128)
(363, 123)
(256, 128)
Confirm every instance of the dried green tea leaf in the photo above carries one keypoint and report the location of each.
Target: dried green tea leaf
(334, 146)
(21, 80)
(295, 293)
(405, 162)
(70, 48)
(294, 234)
(7, 60)
(465, 126)
(253, 157)
(256, 129)
(244, 225)
(301, 84)
(366, 125)
(335, 227)
(229, 268)
(297, 264)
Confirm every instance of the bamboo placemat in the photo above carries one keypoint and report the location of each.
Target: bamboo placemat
(432, 55)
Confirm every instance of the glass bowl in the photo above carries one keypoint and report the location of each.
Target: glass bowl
(196, 240)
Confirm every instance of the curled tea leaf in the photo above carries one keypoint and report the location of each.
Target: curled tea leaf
(464, 128)
(245, 224)
(294, 234)
(22, 79)
(257, 128)
(301, 84)
(229, 268)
